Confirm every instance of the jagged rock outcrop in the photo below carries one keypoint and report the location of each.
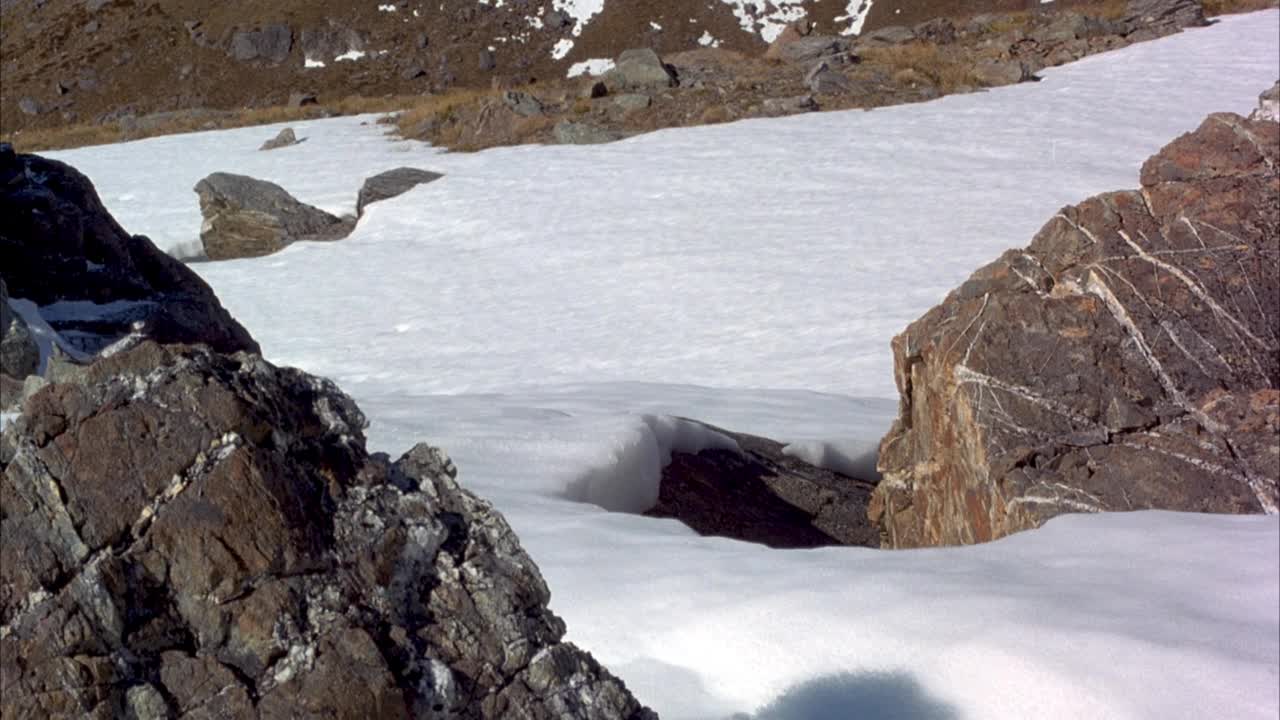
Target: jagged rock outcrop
(764, 495)
(389, 184)
(58, 243)
(247, 217)
(1129, 358)
(195, 535)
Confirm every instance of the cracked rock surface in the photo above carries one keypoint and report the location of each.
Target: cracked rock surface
(196, 535)
(1129, 358)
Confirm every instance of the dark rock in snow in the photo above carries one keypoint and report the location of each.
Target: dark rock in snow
(391, 183)
(59, 243)
(1128, 359)
(246, 217)
(762, 495)
(188, 534)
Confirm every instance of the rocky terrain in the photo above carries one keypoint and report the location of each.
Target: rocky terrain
(1127, 359)
(142, 67)
(804, 69)
(192, 532)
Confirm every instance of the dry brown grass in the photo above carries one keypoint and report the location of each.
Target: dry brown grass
(946, 68)
(83, 134)
(1226, 7)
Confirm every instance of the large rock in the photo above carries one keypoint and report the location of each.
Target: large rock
(1147, 19)
(325, 44)
(196, 535)
(763, 495)
(391, 183)
(58, 243)
(246, 217)
(1129, 358)
(640, 68)
(811, 49)
(271, 43)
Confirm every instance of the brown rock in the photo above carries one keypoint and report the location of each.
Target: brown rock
(1129, 358)
(205, 535)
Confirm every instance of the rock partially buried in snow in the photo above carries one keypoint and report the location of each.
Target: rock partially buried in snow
(246, 217)
(391, 183)
(569, 132)
(1002, 72)
(244, 556)
(284, 138)
(763, 494)
(1127, 359)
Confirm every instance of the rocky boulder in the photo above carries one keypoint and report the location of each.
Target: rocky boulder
(284, 138)
(1128, 359)
(640, 69)
(271, 43)
(391, 183)
(59, 243)
(246, 217)
(810, 49)
(1146, 19)
(189, 534)
(763, 495)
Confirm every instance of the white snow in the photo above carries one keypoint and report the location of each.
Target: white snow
(773, 21)
(310, 63)
(387, 8)
(856, 14)
(350, 55)
(593, 67)
(561, 48)
(708, 40)
(580, 10)
(751, 275)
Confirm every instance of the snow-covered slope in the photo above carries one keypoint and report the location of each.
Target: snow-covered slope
(527, 311)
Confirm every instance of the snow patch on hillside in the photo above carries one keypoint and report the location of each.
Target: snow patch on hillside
(593, 67)
(856, 14)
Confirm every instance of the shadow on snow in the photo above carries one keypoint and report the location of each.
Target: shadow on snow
(864, 696)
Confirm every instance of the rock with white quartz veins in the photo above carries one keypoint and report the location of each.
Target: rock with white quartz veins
(1129, 358)
(195, 535)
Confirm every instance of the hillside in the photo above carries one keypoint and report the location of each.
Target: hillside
(90, 61)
